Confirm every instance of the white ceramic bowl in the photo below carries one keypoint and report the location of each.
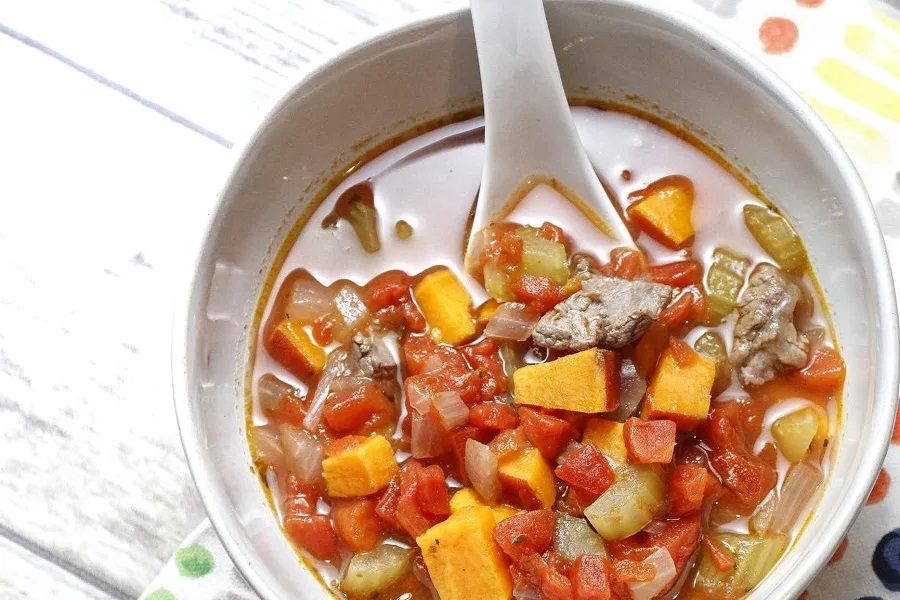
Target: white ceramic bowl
(615, 50)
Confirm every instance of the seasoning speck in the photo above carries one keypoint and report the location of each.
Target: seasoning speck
(404, 230)
(519, 538)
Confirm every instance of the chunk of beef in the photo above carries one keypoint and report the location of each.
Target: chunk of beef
(608, 312)
(765, 339)
(370, 357)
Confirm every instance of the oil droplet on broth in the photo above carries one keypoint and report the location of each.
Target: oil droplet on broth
(403, 229)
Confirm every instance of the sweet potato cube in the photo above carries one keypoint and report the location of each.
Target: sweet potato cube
(586, 382)
(447, 306)
(681, 388)
(607, 436)
(290, 345)
(463, 559)
(469, 497)
(361, 469)
(527, 473)
(663, 211)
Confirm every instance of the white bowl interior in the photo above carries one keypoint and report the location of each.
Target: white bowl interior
(607, 50)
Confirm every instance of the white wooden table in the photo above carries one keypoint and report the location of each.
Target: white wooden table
(116, 117)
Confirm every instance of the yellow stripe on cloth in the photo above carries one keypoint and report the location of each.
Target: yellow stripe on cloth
(860, 88)
(873, 47)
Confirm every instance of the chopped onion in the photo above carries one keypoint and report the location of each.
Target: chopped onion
(264, 447)
(309, 300)
(348, 383)
(797, 491)
(303, 453)
(427, 438)
(269, 390)
(631, 390)
(334, 367)
(574, 537)
(419, 399)
(761, 519)
(433, 363)
(350, 307)
(481, 467)
(526, 592)
(451, 410)
(662, 562)
(512, 321)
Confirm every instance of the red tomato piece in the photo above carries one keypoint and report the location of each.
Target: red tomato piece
(553, 233)
(721, 556)
(632, 571)
(626, 263)
(650, 347)
(409, 514)
(458, 439)
(539, 293)
(290, 410)
(335, 447)
(299, 504)
(526, 533)
(682, 353)
(386, 289)
(586, 471)
(347, 411)
(503, 246)
(386, 509)
(650, 441)
(687, 489)
(413, 318)
(590, 578)
(824, 372)
(493, 415)
(677, 314)
(680, 274)
(680, 537)
(314, 534)
(485, 359)
(547, 433)
(509, 441)
(323, 329)
(431, 491)
(356, 522)
(454, 373)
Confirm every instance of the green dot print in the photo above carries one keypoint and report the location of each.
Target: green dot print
(194, 561)
(160, 594)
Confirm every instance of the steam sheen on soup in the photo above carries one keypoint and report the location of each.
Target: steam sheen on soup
(568, 421)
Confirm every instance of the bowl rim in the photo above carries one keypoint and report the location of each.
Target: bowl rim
(887, 369)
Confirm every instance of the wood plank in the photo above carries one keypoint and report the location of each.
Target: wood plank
(26, 576)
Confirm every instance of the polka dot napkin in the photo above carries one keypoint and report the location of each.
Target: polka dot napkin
(843, 57)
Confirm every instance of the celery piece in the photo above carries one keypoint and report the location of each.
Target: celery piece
(636, 498)
(497, 283)
(543, 258)
(794, 433)
(711, 345)
(574, 537)
(374, 571)
(724, 280)
(754, 558)
(776, 236)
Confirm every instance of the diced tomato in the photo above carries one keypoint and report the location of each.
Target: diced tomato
(323, 329)
(682, 353)
(454, 374)
(299, 504)
(431, 493)
(292, 487)
(509, 441)
(721, 557)
(678, 274)
(529, 532)
(632, 571)
(650, 347)
(347, 411)
(590, 578)
(555, 585)
(503, 246)
(314, 534)
(386, 289)
(552, 233)
(291, 410)
(386, 509)
(540, 293)
(824, 371)
(587, 471)
(356, 522)
(680, 537)
(650, 441)
(552, 584)
(626, 263)
(573, 503)
(485, 359)
(458, 439)
(493, 415)
(687, 489)
(409, 513)
(743, 473)
(677, 314)
(335, 447)
(547, 433)
(412, 317)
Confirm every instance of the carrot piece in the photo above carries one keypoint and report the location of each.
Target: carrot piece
(291, 346)
(650, 347)
(687, 489)
(586, 471)
(493, 415)
(650, 441)
(314, 534)
(680, 274)
(526, 533)
(721, 557)
(590, 578)
(663, 211)
(356, 523)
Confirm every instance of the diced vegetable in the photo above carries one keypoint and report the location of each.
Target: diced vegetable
(427, 438)
(719, 554)
(824, 373)
(724, 281)
(481, 467)
(264, 447)
(636, 498)
(493, 415)
(543, 258)
(291, 346)
(574, 537)
(797, 491)
(586, 471)
(678, 274)
(360, 470)
(469, 497)
(794, 432)
(302, 452)
(313, 533)
(590, 578)
(451, 411)
(761, 519)
(632, 388)
(447, 306)
(308, 299)
(527, 473)
(356, 522)
(350, 312)
(334, 366)
(776, 236)
(269, 391)
(665, 573)
(663, 211)
(512, 321)
(463, 559)
(372, 572)
(649, 348)
(650, 441)
(498, 283)
(347, 411)
(753, 557)
(526, 534)
(586, 382)
(711, 345)
(607, 436)
(547, 433)
(681, 387)
(687, 489)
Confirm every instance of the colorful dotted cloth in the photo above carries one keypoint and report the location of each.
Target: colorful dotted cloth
(843, 56)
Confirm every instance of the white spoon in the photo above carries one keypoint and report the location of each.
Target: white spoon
(530, 137)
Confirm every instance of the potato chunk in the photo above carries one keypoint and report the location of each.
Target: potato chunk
(586, 382)
(447, 306)
(360, 470)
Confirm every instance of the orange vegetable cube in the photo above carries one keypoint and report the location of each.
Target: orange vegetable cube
(290, 345)
(607, 436)
(447, 306)
(528, 474)
(360, 469)
(663, 211)
(586, 382)
(681, 387)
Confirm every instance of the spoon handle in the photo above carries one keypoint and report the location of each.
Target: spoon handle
(529, 130)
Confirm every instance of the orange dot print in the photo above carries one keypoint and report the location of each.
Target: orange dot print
(839, 553)
(811, 3)
(778, 35)
(895, 438)
(882, 485)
